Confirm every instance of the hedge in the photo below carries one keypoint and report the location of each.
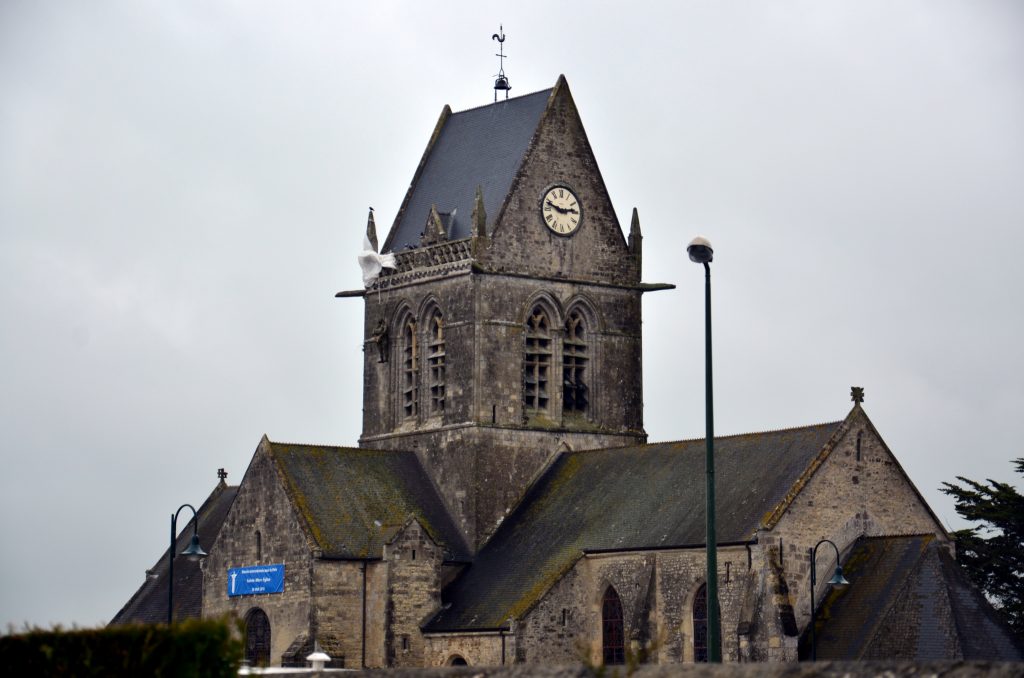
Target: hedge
(199, 647)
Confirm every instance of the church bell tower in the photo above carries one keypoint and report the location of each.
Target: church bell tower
(507, 326)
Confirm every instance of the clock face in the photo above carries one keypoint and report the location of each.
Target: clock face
(561, 210)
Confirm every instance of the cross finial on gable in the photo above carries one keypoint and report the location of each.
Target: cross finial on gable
(857, 394)
(222, 474)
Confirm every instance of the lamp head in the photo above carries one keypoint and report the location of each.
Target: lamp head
(700, 250)
(194, 550)
(838, 579)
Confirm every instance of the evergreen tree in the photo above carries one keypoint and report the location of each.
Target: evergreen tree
(992, 553)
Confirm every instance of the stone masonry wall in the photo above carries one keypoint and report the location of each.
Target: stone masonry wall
(382, 403)
(262, 505)
(414, 593)
(338, 605)
(484, 439)
(519, 263)
(680, 574)
(560, 154)
(477, 649)
(559, 629)
(656, 589)
(845, 498)
(376, 613)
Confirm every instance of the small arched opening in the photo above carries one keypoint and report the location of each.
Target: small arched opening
(457, 660)
(257, 638)
(700, 624)
(613, 636)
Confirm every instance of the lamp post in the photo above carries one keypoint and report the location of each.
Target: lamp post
(194, 550)
(837, 580)
(700, 252)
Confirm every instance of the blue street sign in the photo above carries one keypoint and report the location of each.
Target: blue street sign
(254, 580)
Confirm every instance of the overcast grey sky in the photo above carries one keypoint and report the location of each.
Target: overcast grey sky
(183, 188)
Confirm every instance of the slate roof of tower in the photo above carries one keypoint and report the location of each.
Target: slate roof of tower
(354, 499)
(627, 498)
(893, 607)
(149, 604)
(482, 147)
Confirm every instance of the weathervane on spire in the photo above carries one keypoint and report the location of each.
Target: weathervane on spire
(502, 81)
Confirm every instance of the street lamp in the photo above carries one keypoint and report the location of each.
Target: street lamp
(837, 580)
(700, 252)
(193, 551)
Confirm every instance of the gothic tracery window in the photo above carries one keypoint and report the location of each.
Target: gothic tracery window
(537, 360)
(574, 364)
(436, 362)
(700, 624)
(613, 637)
(410, 369)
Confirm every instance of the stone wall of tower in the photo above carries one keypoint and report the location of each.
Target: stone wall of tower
(614, 349)
(560, 154)
(382, 403)
(487, 444)
(485, 447)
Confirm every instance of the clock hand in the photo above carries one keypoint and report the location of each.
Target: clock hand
(559, 209)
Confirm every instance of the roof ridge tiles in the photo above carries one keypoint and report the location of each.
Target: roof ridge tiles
(773, 430)
(495, 103)
(283, 443)
(717, 437)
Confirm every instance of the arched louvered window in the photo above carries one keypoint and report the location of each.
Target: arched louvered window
(436, 361)
(700, 624)
(613, 637)
(257, 638)
(574, 364)
(410, 369)
(537, 360)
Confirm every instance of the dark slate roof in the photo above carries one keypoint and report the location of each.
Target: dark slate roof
(895, 608)
(627, 498)
(983, 633)
(353, 499)
(149, 603)
(480, 147)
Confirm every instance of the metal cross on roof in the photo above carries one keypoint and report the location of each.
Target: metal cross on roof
(857, 394)
(501, 82)
(222, 474)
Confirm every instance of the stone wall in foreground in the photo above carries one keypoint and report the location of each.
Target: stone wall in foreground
(806, 669)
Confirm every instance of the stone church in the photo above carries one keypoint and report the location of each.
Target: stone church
(504, 505)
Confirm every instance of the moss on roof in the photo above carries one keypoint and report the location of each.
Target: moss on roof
(626, 498)
(350, 498)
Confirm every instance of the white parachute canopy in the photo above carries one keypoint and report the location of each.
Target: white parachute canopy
(373, 263)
